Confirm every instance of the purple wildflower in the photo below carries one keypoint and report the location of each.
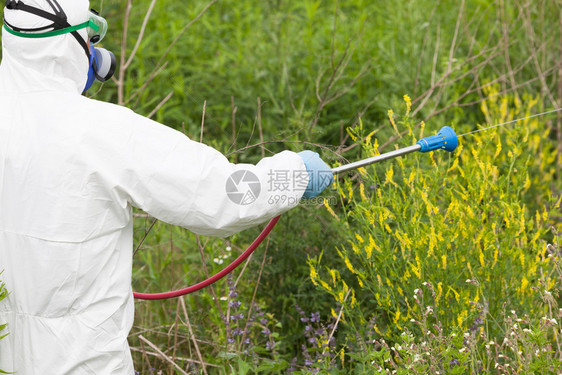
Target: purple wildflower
(315, 317)
(270, 345)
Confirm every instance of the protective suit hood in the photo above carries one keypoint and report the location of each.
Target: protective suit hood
(45, 64)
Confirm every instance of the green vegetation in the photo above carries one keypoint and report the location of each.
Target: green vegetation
(434, 263)
(3, 294)
(473, 235)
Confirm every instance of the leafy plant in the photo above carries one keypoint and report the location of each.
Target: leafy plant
(444, 244)
(3, 295)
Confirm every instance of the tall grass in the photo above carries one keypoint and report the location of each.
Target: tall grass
(262, 76)
(316, 69)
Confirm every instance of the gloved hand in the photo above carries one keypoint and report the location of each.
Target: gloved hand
(320, 174)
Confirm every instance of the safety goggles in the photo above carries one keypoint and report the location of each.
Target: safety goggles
(96, 28)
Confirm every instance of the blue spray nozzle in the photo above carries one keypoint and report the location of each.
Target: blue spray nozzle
(446, 139)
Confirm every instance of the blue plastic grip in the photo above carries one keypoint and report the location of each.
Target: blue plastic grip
(446, 139)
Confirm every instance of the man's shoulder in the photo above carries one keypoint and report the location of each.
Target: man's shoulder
(99, 107)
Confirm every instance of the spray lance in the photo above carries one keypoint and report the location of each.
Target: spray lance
(445, 139)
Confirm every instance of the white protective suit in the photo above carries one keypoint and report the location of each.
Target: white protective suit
(71, 169)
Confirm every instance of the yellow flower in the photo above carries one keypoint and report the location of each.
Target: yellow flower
(313, 275)
(325, 285)
(350, 132)
(461, 318)
(359, 238)
(498, 148)
(330, 209)
(389, 175)
(415, 270)
(350, 192)
(524, 284)
(397, 315)
(412, 176)
(391, 118)
(369, 248)
(348, 264)
(362, 192)
(368, 138)
(527, 184)
(333, 274)
(408, 104)
(439, 293)
(361, 284)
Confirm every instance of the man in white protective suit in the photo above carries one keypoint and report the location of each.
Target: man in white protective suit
(71, 169)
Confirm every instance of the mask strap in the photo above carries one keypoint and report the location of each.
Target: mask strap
(59, 21)
(59, 18)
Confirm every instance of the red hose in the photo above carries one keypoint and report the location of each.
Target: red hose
(216, 277)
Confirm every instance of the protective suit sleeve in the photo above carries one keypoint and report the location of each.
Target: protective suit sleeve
(187, 183)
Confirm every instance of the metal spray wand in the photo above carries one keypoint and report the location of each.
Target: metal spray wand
(446, 139)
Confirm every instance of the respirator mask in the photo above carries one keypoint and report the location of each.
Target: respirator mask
(102, 63)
